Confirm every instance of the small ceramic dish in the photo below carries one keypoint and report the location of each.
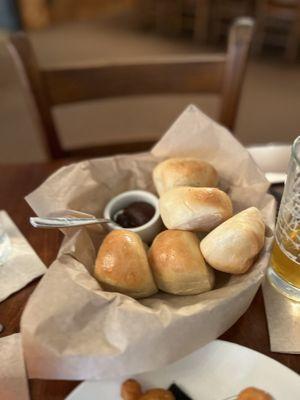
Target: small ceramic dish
(147, 231)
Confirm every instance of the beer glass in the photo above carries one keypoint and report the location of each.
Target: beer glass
(284, 271)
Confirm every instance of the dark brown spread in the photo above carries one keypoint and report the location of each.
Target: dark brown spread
(134, 215)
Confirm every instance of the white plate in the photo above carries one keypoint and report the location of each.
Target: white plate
(271, 157)
(216, 371)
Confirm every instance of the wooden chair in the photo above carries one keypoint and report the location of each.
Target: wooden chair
(168, 14)
(278, 22)
(195, 18)
(223, 12)
(219, 74)
(145, 11)
(163, 15)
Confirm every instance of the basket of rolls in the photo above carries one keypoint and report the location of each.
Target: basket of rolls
(184, 253)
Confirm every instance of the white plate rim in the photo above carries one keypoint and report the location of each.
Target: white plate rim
(78, 389)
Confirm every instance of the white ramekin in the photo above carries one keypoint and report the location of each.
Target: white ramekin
(147, 231)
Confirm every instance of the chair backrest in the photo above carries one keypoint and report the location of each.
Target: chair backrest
(284, 9)
(46, 88)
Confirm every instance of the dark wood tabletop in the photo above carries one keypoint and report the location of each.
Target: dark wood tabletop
(16, 182)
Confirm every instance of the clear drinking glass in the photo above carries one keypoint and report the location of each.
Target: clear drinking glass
(284, 271)
(5, 246)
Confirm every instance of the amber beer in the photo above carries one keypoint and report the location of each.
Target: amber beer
(286, 261)
(284, 271)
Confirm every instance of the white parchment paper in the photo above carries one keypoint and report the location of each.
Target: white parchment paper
(13, 380)
(22, 265)
(72, 329)
(283, 317)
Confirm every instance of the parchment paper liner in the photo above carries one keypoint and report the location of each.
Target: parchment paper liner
(72, 329)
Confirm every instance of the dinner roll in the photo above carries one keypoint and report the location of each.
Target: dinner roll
(194, 209)
(131, 390)
(183, 172)
(157, 394)
(122, 265)
(232, 246)
(253, 393)
(177, 263)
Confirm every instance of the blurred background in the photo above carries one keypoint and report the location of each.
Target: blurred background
(74, 32)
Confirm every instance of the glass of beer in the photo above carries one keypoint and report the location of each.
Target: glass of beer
(284, 271)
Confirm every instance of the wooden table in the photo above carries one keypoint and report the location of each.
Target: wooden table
(18, 181)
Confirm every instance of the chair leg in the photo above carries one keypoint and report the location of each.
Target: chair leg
(201, 20)
(259, 38)
(292, 46)
(144, 12)
(169, 16)
(216, 31)
(260, 10)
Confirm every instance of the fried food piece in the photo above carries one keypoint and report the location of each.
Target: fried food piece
(157, 394)
(131, 390)
(252, 393)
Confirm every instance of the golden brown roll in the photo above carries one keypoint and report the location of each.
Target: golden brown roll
(253, 393)
(194, 209)
(131, 390)
(233, 246)
(177, 263)
(183, 172)
(122, 265)
(157, 394)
